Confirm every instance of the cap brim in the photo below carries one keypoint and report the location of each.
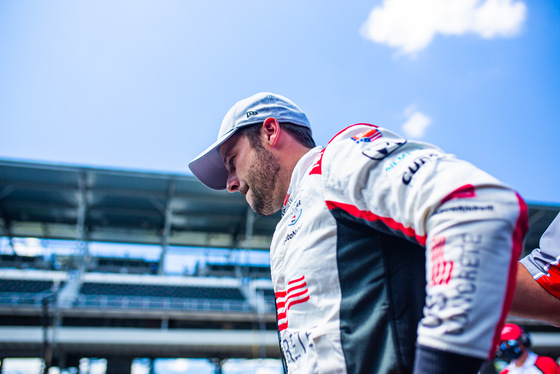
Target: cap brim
(209, 167)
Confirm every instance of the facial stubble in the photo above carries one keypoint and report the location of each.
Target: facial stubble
(262, 179)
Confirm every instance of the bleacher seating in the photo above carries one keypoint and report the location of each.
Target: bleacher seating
(233, 270)
(23, 262)
(138, 288)
(133, 291)
(267, 292)
(24, 291)
(259, 271)
(122, 265)
(147, 290)
(24, 286)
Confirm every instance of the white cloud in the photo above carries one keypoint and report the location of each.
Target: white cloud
(411, 25)
(416, 124)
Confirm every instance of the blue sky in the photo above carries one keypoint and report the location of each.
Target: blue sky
(144, 85)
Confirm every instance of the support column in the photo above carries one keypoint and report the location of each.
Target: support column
(247, 244)
(249, 223)
(48, 341)
(7, 224)
(81, 234)
(217, 364)
(167, 212)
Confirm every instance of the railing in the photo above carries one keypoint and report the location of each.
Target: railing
(22, 298)
(131, 302)
(139, 302)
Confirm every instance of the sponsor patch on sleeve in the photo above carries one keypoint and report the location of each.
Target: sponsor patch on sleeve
(383, 148)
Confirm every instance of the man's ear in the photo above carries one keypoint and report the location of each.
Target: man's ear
(271, 130)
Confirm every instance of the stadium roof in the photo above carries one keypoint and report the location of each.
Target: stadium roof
(107, 205)
(91, 204)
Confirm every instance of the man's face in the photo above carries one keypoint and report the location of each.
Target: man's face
(254, 173)
(511, 349)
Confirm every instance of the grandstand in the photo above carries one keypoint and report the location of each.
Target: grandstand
(75, 304)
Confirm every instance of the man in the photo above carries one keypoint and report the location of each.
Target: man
(391, 256)
(515, 345)
(537, 294)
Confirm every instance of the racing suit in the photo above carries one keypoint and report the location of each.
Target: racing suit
(386, 243)
(544, 263)
(534, 364)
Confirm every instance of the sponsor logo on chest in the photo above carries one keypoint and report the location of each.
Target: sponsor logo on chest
(293, 214)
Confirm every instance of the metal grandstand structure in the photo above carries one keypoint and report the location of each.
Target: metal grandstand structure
(86, 205)
(107, 205)
(100, 313)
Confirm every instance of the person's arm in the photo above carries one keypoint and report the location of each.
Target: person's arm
(474, 240)
(532, 301)
(470, 226)
(537, 294)
(547, 365)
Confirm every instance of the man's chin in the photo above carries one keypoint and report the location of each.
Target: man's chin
(266, 213)
(262, 210)
(261, 206)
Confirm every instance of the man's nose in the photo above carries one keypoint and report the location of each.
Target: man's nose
(232, 183)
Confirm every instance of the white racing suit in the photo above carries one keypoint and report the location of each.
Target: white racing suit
(543, 263)
(385, 244)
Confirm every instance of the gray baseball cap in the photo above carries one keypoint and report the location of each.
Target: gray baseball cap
(209, 167)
